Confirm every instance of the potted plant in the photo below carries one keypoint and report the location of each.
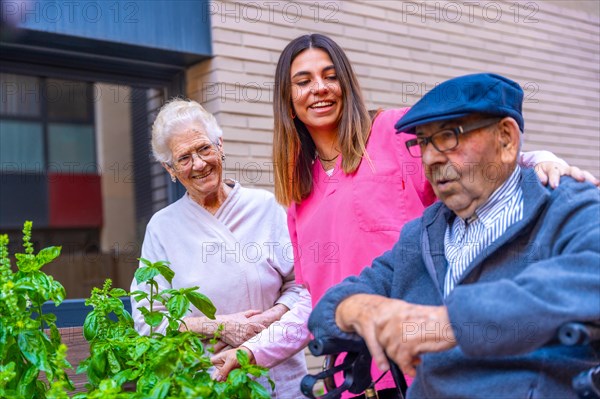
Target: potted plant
(122, 363)
(25, 349)
(170, 365)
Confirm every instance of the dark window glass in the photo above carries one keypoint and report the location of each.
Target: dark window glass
(20, 95)
(67, 100)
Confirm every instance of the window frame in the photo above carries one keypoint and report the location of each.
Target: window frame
(44, 119)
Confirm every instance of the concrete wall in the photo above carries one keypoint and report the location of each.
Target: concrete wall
(400, 50)
(113, 136)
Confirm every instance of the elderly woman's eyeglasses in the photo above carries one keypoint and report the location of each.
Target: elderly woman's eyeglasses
(205, 152)
(447, 139)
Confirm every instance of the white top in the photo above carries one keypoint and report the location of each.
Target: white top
(241, 258)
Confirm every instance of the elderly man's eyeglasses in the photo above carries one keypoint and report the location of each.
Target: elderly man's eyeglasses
(205, 152)
(447, 139)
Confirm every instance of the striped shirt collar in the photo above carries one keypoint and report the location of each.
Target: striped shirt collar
(463, 241)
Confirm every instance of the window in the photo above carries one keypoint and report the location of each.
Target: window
(46, 125)
(48, 168)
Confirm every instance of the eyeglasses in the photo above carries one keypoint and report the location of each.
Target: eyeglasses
(447, 139)
(205, 152)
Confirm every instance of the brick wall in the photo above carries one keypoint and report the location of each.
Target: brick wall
(400, 50)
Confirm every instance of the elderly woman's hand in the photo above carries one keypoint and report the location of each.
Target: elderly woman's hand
(549, 172)
(220, 346)
(226, 361)
(239, 327)
(265, 319)
(269, 316)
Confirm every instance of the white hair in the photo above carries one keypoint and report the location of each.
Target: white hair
(175, 116)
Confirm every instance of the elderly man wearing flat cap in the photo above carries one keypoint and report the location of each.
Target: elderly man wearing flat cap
(471, 297)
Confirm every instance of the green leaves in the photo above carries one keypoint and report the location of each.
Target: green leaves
(177, 305)
(26, 262)
(258, 391)
(153, 319)
(90, 326)
(174, 365)
(202, 303)
(25, 349)
(106, 303)
(140, 348)
(139, 295)
(27, 384)
(57, 292)
(151, 270)
(47, 255)
(118, 292)
(113, 362)
(144, 274)
(33, 348)
(252, 369)
(242, 358)
(30, 263)
(161, 390)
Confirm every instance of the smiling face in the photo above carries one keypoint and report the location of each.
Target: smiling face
(201, 177)
(465, 177)
(316, 92)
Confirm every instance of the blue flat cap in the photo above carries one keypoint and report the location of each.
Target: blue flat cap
(484, 93)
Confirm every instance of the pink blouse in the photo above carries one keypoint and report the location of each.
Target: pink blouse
(349, 220)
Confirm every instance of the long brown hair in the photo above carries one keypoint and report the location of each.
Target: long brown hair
(293, 148)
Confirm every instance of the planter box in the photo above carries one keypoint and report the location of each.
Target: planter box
(72, 312)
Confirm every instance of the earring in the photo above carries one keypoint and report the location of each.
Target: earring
(173, 179)
(223, 157)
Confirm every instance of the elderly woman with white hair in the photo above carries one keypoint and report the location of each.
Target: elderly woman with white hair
(233, 243)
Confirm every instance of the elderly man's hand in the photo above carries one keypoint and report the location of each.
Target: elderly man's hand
(399, 329)
(550, 172)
